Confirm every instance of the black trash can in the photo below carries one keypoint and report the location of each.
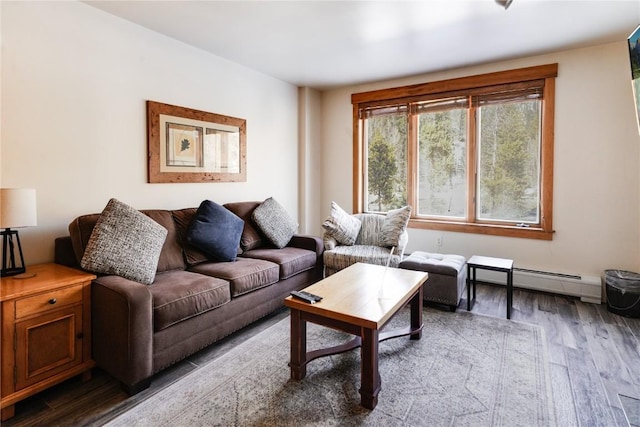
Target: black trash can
(623, 292)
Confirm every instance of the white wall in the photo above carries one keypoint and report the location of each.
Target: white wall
(73, 127)
(596, 171)
(73, 124)
(310, 108)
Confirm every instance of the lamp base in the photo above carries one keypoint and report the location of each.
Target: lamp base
(12, 271)
(9, 266)
(24, 276)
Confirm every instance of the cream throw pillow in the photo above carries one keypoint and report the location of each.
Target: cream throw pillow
(342, 226)
(395, 223)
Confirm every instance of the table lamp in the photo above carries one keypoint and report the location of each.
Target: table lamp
(17, 209)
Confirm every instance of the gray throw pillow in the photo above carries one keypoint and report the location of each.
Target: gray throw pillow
(274, 222)
(124, 242)
(395, 223)
(342, 226)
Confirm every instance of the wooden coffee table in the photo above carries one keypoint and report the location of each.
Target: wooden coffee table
(352, 303)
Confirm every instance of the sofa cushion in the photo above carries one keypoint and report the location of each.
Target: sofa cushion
(291, 260)
(180, 295)
(371, 229)
(343, 256)
(274, 222)
(395, 223)
(80, 230)
(251, 237)
(244, 274)
(124, 242)
(445, 264)
(216, 231)
(342, 226)
(171, 257)
(182, 219)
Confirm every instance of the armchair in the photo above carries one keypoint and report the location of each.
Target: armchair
(369, 246)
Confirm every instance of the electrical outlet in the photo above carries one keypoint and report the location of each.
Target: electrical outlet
(439, 241)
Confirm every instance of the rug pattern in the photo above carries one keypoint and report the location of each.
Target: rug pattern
(467, 370)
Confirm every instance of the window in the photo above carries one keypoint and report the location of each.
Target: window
(473, 154)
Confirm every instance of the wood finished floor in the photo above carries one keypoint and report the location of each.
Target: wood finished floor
(594, 366)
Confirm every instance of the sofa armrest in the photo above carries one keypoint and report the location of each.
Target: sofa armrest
(311, 243)
(330, 242)
(402, 244)
(63, 252)
(122, 328)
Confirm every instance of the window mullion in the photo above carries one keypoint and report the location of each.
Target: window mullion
(472, 162)
(361, 173)
(413, 158)
(547, 144)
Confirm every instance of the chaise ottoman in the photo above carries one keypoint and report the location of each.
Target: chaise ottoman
(447, 276)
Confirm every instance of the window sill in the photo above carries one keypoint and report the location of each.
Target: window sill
(487, 229)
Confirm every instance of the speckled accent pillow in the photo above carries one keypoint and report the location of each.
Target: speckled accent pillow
(274, 222)
(395, 223)
(342, 226)
(124, 242)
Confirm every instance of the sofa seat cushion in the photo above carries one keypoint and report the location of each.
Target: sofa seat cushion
(244, 274)
(180, 295)
(343, 256)
(291, 260)
(445, 264)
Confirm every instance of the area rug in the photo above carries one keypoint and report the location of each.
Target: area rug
(631, 407)
(467, 370)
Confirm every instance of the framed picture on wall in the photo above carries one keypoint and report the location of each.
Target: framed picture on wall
(186, 145)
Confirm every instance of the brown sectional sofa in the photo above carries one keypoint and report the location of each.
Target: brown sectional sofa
(138, 329)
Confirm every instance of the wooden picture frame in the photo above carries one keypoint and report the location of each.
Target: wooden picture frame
(186, 145)
(634, 59)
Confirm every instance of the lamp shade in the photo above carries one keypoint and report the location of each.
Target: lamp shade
(17, 207)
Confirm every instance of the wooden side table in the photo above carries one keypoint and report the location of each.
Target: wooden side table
(489, 263)
(46, 331)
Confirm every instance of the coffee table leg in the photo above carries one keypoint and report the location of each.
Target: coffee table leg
(298, 362)
(369, 375)
(416, 315)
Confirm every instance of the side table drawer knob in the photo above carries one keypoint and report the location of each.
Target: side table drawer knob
(53, 301)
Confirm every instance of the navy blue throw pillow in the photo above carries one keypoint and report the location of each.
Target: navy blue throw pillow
(216, 231)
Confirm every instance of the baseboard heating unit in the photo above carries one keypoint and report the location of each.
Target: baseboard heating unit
(587, 288)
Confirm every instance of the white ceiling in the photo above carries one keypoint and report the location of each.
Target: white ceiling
(325, 44)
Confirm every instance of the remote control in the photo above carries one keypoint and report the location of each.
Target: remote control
(306, 296)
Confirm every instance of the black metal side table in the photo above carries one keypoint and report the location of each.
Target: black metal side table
(489, 263)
